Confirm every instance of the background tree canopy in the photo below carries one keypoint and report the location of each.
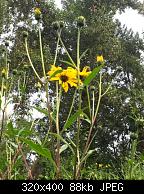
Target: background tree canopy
(121, 111)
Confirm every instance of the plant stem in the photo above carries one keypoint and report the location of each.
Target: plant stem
(93, 107)
(24, 159)
(13, 162)
(95, 115)
(56, 53)
(89, 104)
(72, 104)
(46, 85)
(58, 97)
(2, 124)
(66, 50)
(26, 46)
(10, 162)
(4, 95)
(77, 157)
(41, 51)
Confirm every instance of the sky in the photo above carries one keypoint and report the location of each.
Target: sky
(130, 18)
(133, 20)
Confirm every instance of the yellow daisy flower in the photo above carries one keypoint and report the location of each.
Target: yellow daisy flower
(37, 11)
(85, 72)
(67, 78)
(72, 71)
(99, 58)
(52, 71)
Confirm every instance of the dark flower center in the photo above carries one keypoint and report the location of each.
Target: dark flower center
(64, 78)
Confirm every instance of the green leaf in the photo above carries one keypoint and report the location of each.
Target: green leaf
(24, 132)
(22, 89)
(86, 118)
(63, 140)
(92, 75)
(14, 132)
(10, 126)
(72, 119)
(13, 144)
(63, 148)
(70, 140)
(84, 53)
(41, 110)
(68, 63)
(56, 72)
(39, 150)
(53, 115)
(11, 131)
(90, 152)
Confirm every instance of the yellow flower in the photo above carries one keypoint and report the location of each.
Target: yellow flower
(37, 11)
(67, 78)
(72, 71)
(85, 72)
(99, 58)
(52, 71)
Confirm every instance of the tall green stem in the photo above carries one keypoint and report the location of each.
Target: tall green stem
(93, 107)
(66, 50)
(77, 157)
(58, 97)
(89, 104)
(95, 115)
(30, 61)
(56, 53)
(41, 51)
(46, 85)
(70, 111)
(2, 125)
(4, 95)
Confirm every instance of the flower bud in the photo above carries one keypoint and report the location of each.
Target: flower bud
(61, 24)
(56, 25)
(25, 34)
(80, 21)
(100, 58)
(37, 13)
(92, 88)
